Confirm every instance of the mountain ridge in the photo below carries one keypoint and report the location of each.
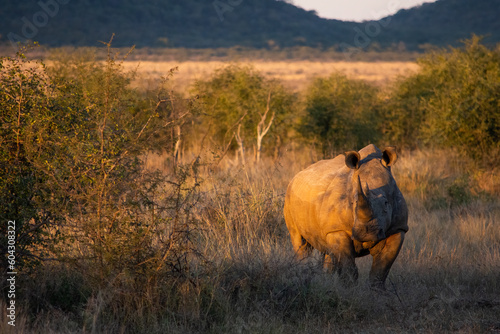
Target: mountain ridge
(229, 23)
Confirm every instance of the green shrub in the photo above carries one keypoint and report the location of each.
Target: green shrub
(452, 103)
(340, 114)
(235, 100)
(24, 102)
(73, 178)
(403, 110)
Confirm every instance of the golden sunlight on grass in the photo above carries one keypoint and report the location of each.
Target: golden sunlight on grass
(295, 74)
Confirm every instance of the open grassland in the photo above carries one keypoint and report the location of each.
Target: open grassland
(445, 279)
(294, 74)
(243, 277)
(189, 240)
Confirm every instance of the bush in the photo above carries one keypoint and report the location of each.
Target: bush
(451, 103)
(24, 102)
(73, 179)
(340, 114)
(238, 102)
(403, 111)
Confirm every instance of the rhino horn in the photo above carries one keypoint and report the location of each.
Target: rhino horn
(363, 210)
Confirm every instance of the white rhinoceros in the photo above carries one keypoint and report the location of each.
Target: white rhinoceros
(348, 207)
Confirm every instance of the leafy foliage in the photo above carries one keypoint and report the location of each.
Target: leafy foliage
(451, 102)
(340, 113)
(463, 112)
(74, 180)
(237, 95)
(24, 103)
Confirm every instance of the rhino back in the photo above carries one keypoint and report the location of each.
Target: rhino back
(317, 202)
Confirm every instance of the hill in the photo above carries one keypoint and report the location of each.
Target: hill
(172, 23)
(444, 22)
(224, 23)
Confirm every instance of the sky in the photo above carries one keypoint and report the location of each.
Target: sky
(356, 10)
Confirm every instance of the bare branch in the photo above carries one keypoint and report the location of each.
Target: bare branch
(239, 140)
(262, 129)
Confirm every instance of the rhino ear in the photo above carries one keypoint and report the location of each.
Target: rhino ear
(352, 159)
(389, 156)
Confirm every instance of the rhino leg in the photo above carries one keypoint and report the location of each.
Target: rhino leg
(300, 245)
(384, 253)
(340, 257)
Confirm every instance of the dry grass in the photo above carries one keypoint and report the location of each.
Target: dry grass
(446, 278)
(294, 74)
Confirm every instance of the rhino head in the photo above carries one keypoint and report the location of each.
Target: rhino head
(372, 193)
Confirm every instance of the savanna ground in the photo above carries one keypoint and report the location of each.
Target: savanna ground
(203, 247)
(294, 74)
(446, 278)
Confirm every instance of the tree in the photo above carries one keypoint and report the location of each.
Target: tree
(24, 102)
(340, 113)
(241, 104)
(262, 128)
(463, 112)
(73, 178)
(92, 159)
(452, 102)
(404, 112)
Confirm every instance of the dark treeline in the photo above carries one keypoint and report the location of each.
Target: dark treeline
(267, 24)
